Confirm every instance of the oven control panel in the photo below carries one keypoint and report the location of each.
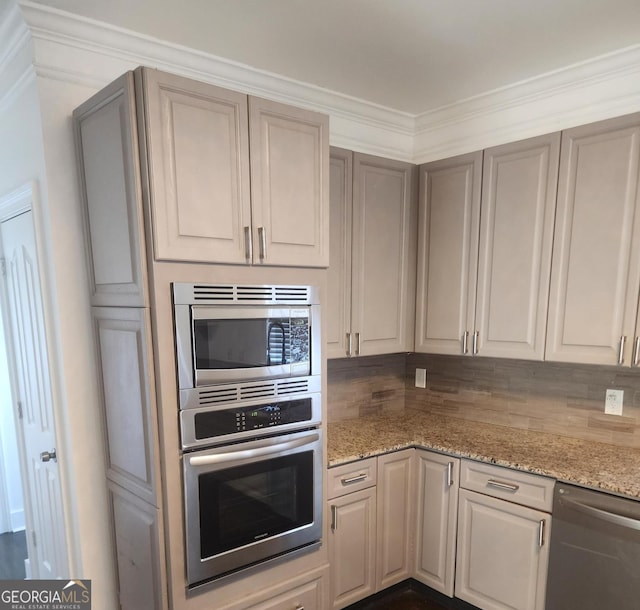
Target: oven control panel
(210, 424)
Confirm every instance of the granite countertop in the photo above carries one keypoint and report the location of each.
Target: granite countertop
(592, 464)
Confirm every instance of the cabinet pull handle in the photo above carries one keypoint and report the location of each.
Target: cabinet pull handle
(248, 244)
(262, 236)
(357, 344)
(636, 351)
(449, 474)
(623, 340)
(502, 485)
(352, 480)
(334, 517)
(475, 342)
(541, 533)
(349, 345)
(299, 607)
(465, 341)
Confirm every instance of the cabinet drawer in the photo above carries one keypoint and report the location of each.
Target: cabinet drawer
(351, 477)
(520, 487)
(305, 597)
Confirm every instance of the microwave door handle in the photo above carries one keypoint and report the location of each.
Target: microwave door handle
(230, 456)
(279, 326)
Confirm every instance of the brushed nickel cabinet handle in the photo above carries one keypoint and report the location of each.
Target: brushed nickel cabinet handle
(636, 351)
(349, 345)
(357, 344)
(352, 480)
(465, 341)
(262, 236)
(334, 517)
(623, 340)
(449, 474)
(541, 533)
(248, 244)
(476, 335)
(503, 485)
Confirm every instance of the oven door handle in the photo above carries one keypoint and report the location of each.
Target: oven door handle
(604, 515)
(231, 456)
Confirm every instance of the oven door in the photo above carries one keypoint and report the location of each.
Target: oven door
(249, 502)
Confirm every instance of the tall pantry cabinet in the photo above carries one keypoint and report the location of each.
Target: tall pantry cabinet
(371, 301)
(167, 175)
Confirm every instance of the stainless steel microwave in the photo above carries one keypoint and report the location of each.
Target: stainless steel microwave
(233, 334)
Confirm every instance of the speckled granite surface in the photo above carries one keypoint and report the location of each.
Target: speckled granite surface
(597, 465)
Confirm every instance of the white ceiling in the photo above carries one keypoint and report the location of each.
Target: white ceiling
(408, 55)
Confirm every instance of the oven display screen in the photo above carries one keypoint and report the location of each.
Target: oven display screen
(248, 503)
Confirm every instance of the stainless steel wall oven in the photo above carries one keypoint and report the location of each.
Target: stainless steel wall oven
(251, 441)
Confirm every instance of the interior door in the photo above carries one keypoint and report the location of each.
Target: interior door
(32, 393)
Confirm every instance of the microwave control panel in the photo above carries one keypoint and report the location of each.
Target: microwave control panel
(211, 424)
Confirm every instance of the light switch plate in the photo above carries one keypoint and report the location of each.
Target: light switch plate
(421, 378)
(613, 402)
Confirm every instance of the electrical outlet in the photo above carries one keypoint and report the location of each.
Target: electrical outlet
(421, 378)
(613, 402)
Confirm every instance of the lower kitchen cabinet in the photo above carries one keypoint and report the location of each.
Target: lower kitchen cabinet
(352, 547)
(437, 478)
(370, 535)
(503, 550)
(395, 493)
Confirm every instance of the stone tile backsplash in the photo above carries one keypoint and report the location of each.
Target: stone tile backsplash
(566, 399)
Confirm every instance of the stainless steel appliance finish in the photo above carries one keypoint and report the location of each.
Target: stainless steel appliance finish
(594, 561)
(228, 333)
(249, 502)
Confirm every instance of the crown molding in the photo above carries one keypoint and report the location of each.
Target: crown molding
(600, 88)
(83, 51)
(74, 49)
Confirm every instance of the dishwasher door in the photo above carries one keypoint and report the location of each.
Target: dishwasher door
(594, 560)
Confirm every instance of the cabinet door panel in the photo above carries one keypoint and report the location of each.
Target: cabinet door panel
(107, 148)
(338, 305)
(500, 565)
(448, 227)
(596, 258)
(437, 500)
(383, 289)
(516, 237)
(395, 518)
(198, 157)
(352, 547)
(289, 184)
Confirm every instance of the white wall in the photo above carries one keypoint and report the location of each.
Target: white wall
(31, 113)
(10, 475)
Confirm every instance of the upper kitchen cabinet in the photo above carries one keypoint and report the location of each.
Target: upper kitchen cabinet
(372, 269)
(596, 260)
(485, 242)
(234, 179)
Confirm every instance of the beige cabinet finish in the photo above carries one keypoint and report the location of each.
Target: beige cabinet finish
(352, 477)
(106, 146)
(437, 518)
(395, 491)
(502, 235)
(596, 260)
(448, 233)
(352, 547)
(198, 158)
(377, 290)
(516, 237)
(138, 548)
(338, 305)
(502, 554)
(128, 398)
(289, 184)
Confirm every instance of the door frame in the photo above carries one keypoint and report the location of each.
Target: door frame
(20, 201)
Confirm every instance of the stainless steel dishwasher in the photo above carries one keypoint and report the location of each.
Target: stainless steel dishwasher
(594, 560)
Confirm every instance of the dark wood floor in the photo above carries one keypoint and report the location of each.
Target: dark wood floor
(13, 552)
(410, 595)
